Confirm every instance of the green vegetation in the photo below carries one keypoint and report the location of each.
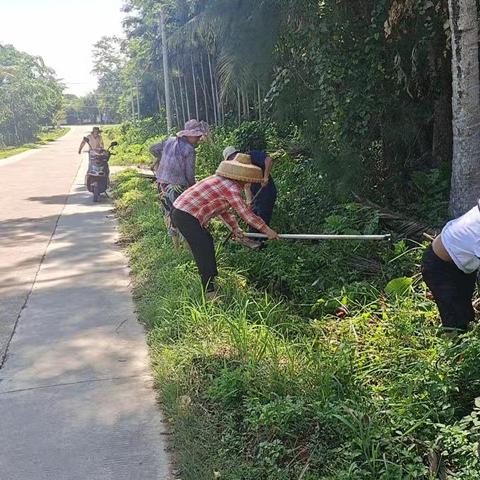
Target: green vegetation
(30, 97)
(365, 84)
(135, 139)
(43, 138)
(320, 361)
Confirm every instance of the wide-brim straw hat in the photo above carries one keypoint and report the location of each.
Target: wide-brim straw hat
(241, 169)
(193, 128)
(229, 151)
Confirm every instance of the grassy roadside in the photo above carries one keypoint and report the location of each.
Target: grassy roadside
(42, 139)
(257, 389)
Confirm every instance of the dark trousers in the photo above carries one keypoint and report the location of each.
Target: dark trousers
(264, 202)
(452, 290)
(201, 244)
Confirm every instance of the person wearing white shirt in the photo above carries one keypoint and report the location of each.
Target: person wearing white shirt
(94, 140)
(450, 266)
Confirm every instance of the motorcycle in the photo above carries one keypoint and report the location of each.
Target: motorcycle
(97, 178)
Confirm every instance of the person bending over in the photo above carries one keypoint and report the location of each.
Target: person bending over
(450, 266)
(213, 197)
(174, 167)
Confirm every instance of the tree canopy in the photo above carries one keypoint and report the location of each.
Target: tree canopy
(30, 96)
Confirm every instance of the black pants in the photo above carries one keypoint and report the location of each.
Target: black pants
(452, 290)
(201, 244)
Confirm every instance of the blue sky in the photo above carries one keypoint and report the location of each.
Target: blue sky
(62, 32)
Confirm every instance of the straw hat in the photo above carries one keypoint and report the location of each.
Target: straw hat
(240, 168)
(193, 128)
(229, 151)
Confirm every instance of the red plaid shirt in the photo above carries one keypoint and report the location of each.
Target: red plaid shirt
(213, 197)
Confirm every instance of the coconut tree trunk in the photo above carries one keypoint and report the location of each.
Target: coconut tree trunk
(175, 101)
(166, 74)
(195, 93)
(239, 106)
(259, 101)
(182, 101)
(159, 98)
(465, 106)
(218, 98)
(187, 100)
(205, 91)
(212, 85)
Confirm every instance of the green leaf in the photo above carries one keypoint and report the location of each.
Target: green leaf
(399, 286)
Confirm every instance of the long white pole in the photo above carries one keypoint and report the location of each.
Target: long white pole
(296, 236)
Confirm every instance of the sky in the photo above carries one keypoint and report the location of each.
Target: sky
(62, 32)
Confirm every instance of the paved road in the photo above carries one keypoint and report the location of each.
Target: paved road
(76, 397)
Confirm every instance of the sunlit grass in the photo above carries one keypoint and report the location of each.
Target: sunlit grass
(255, 389)
(42, 139)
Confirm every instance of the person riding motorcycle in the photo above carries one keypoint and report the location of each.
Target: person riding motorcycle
(94, 140)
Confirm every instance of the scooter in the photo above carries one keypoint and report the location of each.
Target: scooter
(97, 178)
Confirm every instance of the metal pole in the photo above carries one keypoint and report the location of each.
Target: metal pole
(166, 75)
(295, 236)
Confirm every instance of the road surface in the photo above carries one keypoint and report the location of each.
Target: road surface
(76, 397)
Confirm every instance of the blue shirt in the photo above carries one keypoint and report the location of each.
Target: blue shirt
(177, 162)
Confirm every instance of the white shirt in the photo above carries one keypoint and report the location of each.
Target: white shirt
(461, 239)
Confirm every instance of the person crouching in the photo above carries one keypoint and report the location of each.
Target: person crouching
(450, 266)
(214, 197)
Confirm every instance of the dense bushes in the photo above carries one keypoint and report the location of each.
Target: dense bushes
(284, 385)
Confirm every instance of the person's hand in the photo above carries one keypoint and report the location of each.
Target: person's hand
(264, 182)
(239, 234)
(271, 234)
(79, 152)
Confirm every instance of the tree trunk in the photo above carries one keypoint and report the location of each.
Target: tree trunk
(159, 99)
(177, 113)
(239, 107)
(259, 102)
(212, 84)
(465, 106)
(166, 73)
(187, 100)
(181, 98)
(205, 91)
(195, 91)
(218, 98)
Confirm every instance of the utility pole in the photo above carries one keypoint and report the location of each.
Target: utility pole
(166, 75)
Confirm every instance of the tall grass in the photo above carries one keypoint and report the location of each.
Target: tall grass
(262, 386)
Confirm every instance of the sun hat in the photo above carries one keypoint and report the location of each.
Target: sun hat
(240, 168)
(193, 128)
(229, 151)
